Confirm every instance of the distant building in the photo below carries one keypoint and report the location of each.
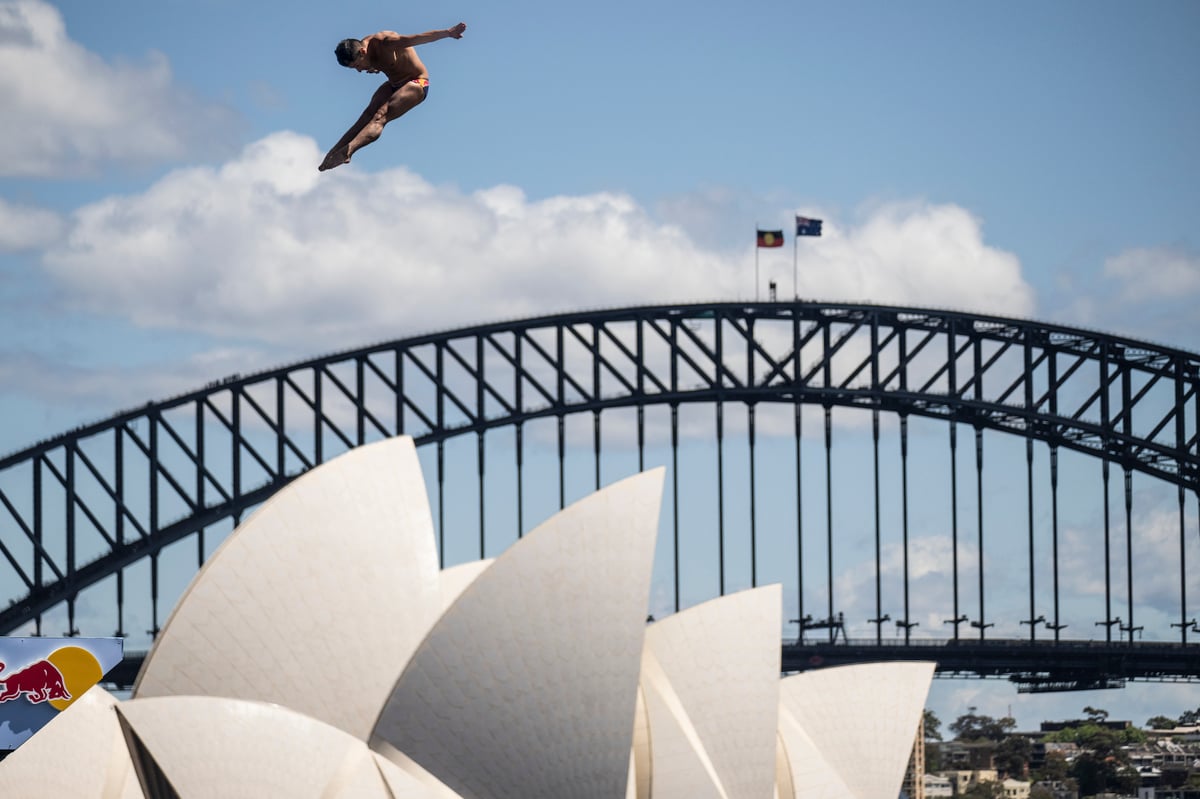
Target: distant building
(1168, 793)
(938, 787)
(959, 782)
(962, 779)
(1015, 789)
(1040, 750)
(1178, 735)
(1058, 726)
(967, 755)
(1061, 789)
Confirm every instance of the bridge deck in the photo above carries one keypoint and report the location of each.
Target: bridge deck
(1034, 666)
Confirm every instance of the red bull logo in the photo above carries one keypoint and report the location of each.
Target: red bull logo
(41, 677)
(40, 682)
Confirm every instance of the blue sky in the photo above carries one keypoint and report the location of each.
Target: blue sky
(162, 222)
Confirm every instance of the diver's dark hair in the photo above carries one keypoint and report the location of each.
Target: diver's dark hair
(348, 50)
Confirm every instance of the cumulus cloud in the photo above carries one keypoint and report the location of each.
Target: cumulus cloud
(1149, 293)
(267, 248)
(927, 255)
(65, 109)
(1154, 273)
(26, 228)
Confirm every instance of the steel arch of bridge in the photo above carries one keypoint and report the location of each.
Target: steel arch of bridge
(153, 475)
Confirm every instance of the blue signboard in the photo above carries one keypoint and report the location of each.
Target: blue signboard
(41, 677)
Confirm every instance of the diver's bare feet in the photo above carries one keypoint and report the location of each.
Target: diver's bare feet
(335, 158)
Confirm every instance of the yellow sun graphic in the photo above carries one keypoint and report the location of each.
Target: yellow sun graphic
(80, 671)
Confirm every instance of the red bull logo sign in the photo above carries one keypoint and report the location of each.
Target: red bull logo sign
(39, 682)
(40, 677)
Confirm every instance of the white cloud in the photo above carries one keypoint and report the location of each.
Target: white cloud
(65, 109)
(26, 228)
(919, 254)
(267, 248)
(1154, 273)
(1149, 293)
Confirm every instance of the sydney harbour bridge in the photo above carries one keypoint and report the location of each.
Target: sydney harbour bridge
(1010, 498)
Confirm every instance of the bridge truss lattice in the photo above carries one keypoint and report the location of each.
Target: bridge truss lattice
(79, 509)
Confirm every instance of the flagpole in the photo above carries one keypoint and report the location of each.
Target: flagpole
(756, 249)
(795, 270)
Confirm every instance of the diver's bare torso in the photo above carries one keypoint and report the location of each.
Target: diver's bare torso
(399, 63)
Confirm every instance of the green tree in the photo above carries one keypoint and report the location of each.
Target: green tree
(1100, 741)
(1093, 773)
(1012, 755)
(1132, 735)
(933, 726)
(1102, 763)
(975, 727)
(1054, 767)
(1161, 723)
(1093, 735)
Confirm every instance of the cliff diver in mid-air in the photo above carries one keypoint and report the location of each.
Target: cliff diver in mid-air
(407, 83)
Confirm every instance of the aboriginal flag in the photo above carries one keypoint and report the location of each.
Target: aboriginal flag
(808, 227)
(770, 238)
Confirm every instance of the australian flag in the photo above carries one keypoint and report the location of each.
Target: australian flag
(808, 227)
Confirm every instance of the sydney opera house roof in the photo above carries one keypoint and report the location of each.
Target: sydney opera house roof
(321, 652)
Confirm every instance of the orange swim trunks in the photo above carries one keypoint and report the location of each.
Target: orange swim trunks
(422, 82)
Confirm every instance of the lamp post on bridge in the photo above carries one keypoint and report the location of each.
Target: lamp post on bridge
(1055, 628)
(1108, 627)
(1129, 628)
(879, 626)
(981, 626)
(1033, 623)
(1184, 626)
(907, 626)
(955, 621)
